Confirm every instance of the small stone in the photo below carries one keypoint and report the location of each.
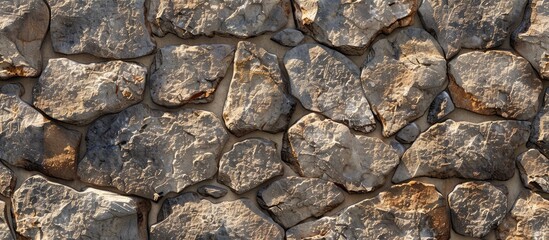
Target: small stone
(408, 134)
(288, 37)
(188, 74)
(327, 82)
(440, 108)
(534, 170)
(212, 191)
(249, 164)
(5, 232)
(398, 147)
(258, 98)
(529, 218)
(7, 181)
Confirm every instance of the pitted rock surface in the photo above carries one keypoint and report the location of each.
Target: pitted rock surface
(529, 218)
(539, 136)
(5, 232)
(534, 170)
(7, 181)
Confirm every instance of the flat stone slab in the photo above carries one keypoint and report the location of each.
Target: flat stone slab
(534, 170)
(212, 191)
(528, 219)
(288, 37)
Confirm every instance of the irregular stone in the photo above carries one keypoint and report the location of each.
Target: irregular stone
(7, 181)
(189, 217)
(188, 74)
(93, 89)
(477, 208)
(41, 207)
(24, 26)
(291, 200)
(239, 18)
(212, 191)
(288, 37)
(258, 98)
(483, 24)
(540, 127)
(407, 211)
(398, 147)
(529, 218)
(249, 164)
(351, 26)
(481, 151)
(321, 148)
(151, 152)
(440, 108)
(5, 232)
(402, 75)
(408, 134)
(495, 82)
(107, 29)
(534, 170)
(327, 82)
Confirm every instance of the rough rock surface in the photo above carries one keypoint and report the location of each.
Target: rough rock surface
(351, 26)
(321, 148)
(478, 151)
(529, 218)
(408, 134)
(249, 164)
(239, 18)
(407, 211)
(480, 25)
(540, 127)
(440, 108)
(258, 98)
(495, 82)
(288, 37)
(93, 89)
(327, 82)
(534, 170)
(212, 191)
(108, 29)
(402, 75)
(150, 152)
(7, 181)
(5, 232)
(48, 210)
(24, 24)
(190, 217)
(188, 74)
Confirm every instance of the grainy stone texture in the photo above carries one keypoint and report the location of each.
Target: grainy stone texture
(190, 217)
(48, 210)
(291, 200)
(402, 75)
(321, 148)
(534, 170)
(407, 211)
(288, 37)
(529, 218)
(188, 74)
(108, 29)
(7, 181)
(150, 152)
(481, 24)
(440, 108)
(495, 82)
(5, 232)
(408, 134)
(478, 151)
(351, 26)
(326, 81)
(24, 24)
(258, 98)
(212, 191)
(540, 127)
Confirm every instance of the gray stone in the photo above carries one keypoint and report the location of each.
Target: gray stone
(188, 74)
(534, 170)
(398, 147)
(327, 82)
(540, 127)
(440, 108)
(212, 191)
(7, 181)
(402, 75)
(151, 152)
(288, 37)
(5, 232)
(529, 218)
(258, 98)
(408, 134)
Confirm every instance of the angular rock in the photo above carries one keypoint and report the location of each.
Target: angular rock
(402, 75)
(188, 74)
(258, 98)
(212, 191)
(327, 82)
(407, 211)
(483, 24)
(408, 134)
(495, 82)
(440, 108)
(481, 151)
(41, 207)
(7, 181)
(529, 218)
(189, 217)
(93, 89)
(291, 200)
(249, 164)
(107, 29)
(540, 127)
(5, 232)
(24, 26)
(351, 26)
(150, 153)
(321, 148)
(398, 147)
(288, 37)
(534, 170)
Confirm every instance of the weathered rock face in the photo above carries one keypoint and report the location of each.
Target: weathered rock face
(5, 232)
(351, 26)
(534, 170)
(477, 208)
(150, 153)
(327, 82)
(480, 25)
(478, 151)
(495, 82)
(100, 28)
(321, 148)
(189, 217)
(408, 134)
(240, 18)
(440, 108)
(258, 98)
(540, 127)
(188, 74)
(529, 218)
(288, 37)
(40, 206)
(24, 25)
(402, 75)
(212, 191)
(7, 181)
(291, 200)
(407, 211)
(249, 164)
